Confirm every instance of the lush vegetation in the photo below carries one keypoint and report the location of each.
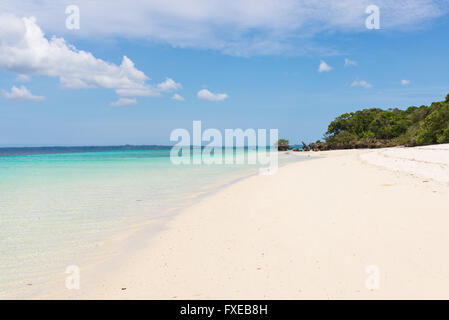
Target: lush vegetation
(374, 128)
(283, 144)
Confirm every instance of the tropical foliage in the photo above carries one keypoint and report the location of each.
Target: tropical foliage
(371, 128)
(283, 144)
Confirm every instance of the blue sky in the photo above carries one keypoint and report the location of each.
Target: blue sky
(264, 62)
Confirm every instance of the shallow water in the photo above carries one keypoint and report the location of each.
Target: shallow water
(58, 208)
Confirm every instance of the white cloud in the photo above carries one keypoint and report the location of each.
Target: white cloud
(169, 85)
(122, 102)
(24, 49)
(205, 94)
(177, 97)
(361, 83)
(405, 82)
(240, 27)
(21, 94)
(324, 67)
(350, 63)
(23, 78)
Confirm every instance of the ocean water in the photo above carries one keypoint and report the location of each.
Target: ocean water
(58, 208)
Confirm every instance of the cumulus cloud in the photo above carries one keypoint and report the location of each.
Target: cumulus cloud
(349, 63)
(205, 94)
(361, 83)
(239, 27)
(405, 82)
(122, 102)
(24, 49)
(324, 67)
(21, 94)
(177, 97)
(169, 85)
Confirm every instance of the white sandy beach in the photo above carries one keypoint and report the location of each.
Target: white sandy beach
(309, 231)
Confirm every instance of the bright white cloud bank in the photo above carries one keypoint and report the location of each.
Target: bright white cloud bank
(205, 94)
(238, 27)
(405, 82)
(361, 83)
(25, 50)
(21, 94)
(324, 67)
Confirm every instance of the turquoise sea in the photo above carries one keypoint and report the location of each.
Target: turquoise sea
(60, 206)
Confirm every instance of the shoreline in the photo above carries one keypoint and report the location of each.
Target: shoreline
(130, 240)
(273, 237)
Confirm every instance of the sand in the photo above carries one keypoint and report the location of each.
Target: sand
(353, 224)
(429, 161)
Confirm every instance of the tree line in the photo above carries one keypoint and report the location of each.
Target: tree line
(377, 128)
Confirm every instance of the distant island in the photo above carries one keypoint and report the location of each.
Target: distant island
(377, 128)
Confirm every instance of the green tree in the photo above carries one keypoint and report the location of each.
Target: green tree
(376, 127)
(435, 127)
(283, 144)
